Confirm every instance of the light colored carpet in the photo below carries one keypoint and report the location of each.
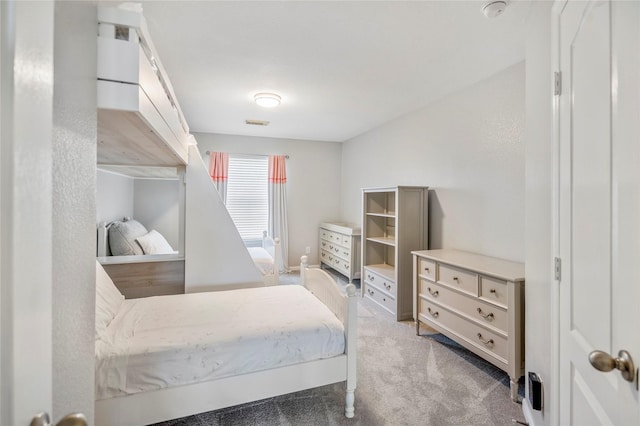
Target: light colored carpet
(403, 379)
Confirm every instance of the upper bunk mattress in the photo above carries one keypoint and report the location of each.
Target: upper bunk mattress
(164, 341)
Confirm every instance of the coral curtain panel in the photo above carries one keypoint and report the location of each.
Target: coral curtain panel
(278, 224)
(219, 172)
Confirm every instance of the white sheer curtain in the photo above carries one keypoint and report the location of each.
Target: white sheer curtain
(278, 224)
(219, 172)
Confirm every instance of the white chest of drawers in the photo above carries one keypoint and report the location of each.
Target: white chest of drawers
(478, 301)
(339, 248)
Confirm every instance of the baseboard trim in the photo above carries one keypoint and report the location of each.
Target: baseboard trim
(527, 411)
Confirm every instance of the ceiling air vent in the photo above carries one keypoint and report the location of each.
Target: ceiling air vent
(257, 122)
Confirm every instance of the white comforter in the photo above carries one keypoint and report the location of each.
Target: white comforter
(165, 341)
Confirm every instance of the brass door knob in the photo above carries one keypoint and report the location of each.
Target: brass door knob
(602, 361)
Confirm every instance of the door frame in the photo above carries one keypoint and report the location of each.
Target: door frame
(26, 122)
(554, 401)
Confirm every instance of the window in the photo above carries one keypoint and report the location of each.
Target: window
(248, 196)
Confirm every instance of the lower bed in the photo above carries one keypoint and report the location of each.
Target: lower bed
(160, 342)
(171, 356)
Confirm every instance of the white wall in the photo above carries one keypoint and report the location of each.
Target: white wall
(469, 149)
(74, 184)
(114, 196)
(538, 269)
(156, 204)
(313, 182)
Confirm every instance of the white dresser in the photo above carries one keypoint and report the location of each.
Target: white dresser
(476, 300)
(339, 248)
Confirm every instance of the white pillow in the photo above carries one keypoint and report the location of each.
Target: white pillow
(108, 300)
(154, 243)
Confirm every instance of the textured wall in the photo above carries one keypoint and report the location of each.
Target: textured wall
(469, 149)
(74, 208)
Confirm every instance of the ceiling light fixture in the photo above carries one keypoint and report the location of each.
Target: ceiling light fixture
(494, 8)
(267, 100)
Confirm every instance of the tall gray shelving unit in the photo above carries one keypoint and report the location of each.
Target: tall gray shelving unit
(394, 223)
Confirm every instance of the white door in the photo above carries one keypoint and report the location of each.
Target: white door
(599, 208)
(26, 93)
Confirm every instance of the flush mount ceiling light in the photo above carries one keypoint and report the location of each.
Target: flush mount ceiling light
(267, 100)
(494, 8)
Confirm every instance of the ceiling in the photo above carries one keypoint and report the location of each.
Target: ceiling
(341, 67)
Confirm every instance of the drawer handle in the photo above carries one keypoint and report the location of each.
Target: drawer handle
(488, 317)
(387, 286)
(433, 293)
(455, 278)
(371, 277)
(370, 291)
(493, 291)
(488, 343)
(427, 269)
(433, 314)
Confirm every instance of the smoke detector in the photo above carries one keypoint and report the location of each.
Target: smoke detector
(494, 8)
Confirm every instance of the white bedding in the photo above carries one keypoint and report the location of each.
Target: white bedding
(262, 259)
(165, 341)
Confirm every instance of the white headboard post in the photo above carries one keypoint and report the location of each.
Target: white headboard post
(304, 264)
(276, 261)
(102, 239)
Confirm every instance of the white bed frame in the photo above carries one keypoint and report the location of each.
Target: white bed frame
(274, 277)
(170, 403)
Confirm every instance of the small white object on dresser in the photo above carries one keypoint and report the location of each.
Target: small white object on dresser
(339, 248)
(476, 300)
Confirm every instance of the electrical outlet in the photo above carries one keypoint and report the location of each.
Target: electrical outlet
(307, 250)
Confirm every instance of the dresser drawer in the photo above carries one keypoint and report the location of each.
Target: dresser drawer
(480, 337)
(344, 253)
(494, 290)
(334, 237)
(345, 240)
(337, 250)
(474, 308)
(324, 256)
(459, 279)
(380, 281)
(381, 298)
(427, 268)
(324, 234)
(338, 263)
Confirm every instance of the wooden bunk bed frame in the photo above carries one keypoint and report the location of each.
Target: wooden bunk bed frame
(170, 403)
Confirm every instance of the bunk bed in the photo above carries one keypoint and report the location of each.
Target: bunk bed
(267, 260)
(167, 357)
(140, 121)
(141, 128)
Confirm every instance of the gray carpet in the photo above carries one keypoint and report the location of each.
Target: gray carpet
(403, 379)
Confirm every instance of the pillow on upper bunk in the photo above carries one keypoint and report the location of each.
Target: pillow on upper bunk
(108, 300)
(122, 237)
(154, 243)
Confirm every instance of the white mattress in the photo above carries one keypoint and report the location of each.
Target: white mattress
(165, 341)
(262, 259)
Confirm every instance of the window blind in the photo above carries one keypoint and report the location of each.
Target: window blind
(248, 195)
